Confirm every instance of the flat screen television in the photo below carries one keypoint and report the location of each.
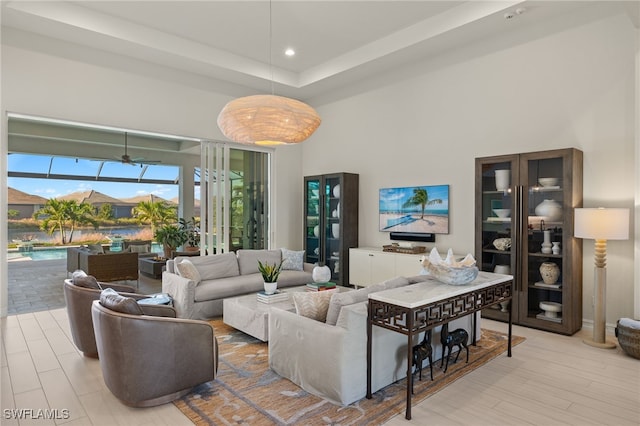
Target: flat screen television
(414, 211)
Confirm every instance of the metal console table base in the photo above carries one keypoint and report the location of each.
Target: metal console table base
(411, 321)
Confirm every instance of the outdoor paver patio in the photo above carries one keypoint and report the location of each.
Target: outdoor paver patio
(36, 285)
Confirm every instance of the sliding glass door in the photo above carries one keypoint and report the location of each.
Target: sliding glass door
(234, 194)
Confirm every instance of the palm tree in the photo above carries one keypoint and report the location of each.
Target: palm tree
(154, 213)
(80, 214)
(421, 198)
(58, 215)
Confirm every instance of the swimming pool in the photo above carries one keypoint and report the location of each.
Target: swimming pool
(52, 253)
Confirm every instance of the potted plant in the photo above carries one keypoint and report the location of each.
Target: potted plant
(192, 231)
(270, 274)
(171, 237)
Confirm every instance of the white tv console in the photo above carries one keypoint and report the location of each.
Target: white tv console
(371, 265)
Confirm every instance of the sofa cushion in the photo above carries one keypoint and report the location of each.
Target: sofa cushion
(395, 283)
(228, 287)
(289, 278)
(96, 248)
(139, 248)
(188, 270)
(248, 259)
(292, 260)
(109, 298)
(214, 266)
(313, 305)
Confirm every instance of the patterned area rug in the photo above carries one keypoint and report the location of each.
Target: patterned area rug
(247, 392)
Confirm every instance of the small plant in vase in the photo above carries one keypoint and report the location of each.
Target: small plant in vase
(270, 274)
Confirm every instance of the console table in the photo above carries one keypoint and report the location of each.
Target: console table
(419, 307)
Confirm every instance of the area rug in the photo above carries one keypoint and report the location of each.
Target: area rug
(247, 392)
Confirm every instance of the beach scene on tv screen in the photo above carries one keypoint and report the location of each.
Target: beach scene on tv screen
(415, 209)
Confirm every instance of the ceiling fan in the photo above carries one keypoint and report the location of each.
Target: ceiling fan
(126, 158)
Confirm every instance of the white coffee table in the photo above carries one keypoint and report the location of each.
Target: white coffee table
(246, 314)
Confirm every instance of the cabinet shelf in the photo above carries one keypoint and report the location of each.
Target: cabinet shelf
(544, 189)
(541, 316)
(549, 255)
(544, 287)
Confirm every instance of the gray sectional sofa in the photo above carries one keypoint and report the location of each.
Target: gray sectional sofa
(199, 294)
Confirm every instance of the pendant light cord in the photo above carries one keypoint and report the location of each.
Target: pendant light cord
(271, 46)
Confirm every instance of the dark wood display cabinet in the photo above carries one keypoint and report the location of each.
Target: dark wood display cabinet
(331, 221)
(524, 226)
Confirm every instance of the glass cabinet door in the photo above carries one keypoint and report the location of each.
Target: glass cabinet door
(497, 221)
(542, 267)
(332, 225)
(313, 228)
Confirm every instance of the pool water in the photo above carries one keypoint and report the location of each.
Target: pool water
(53, 253)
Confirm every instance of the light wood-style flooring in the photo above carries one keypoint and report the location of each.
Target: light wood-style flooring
(550, 380)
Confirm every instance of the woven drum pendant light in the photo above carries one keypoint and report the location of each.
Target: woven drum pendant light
(268, 119)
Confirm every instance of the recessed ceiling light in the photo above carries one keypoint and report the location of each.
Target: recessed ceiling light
(289, 52)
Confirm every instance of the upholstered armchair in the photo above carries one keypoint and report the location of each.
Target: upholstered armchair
(148, 360)
(78, 298)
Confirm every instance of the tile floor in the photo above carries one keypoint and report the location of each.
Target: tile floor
(550, 380)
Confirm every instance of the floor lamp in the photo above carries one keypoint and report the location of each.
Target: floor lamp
(601, 224)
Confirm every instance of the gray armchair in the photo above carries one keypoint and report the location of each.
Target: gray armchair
(78, 298)
(148, 360)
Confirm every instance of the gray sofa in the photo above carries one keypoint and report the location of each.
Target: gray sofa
(328, 359)
(220, 276)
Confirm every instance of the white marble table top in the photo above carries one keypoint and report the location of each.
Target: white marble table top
(415, 295)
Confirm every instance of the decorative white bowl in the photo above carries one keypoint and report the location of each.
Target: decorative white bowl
(551, 309)
(548, 181)
(452, 275)
(502, 243)
(502, 213)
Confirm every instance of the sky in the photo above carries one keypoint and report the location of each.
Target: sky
(51, 188)
(392, 199)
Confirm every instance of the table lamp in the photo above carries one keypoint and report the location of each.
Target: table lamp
(601, 224)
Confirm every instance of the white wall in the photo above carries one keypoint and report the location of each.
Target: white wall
(574, 88)
(571, 88)
(50, 86)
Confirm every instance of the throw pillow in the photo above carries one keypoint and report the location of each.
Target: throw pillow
(292, 260)
(109, 298)
(96, 248)
(87, 282)
(338, 300)
(312, 305)
(188, 270)
(139, 248)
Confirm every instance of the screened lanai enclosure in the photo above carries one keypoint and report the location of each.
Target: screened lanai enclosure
(231, 196)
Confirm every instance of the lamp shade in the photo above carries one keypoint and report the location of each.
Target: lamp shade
(602, 224)
(268, 120)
